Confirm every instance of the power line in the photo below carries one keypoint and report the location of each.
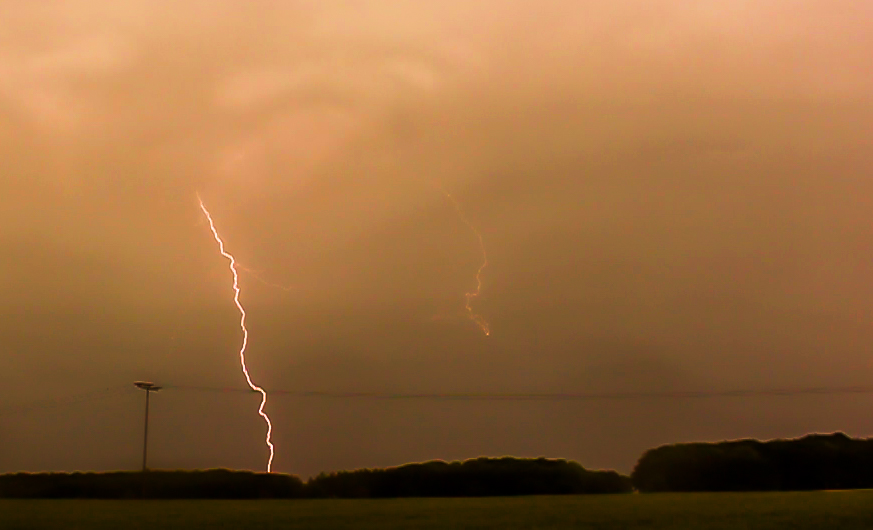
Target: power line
(62, 401)
(459, 396)
(548, 396)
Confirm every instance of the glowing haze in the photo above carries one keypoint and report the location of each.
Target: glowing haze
(242, 324)
(674, 196)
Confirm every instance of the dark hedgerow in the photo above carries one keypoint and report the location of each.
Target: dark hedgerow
(208, 484)
(472, 478)
(479, 477)
(813, 462)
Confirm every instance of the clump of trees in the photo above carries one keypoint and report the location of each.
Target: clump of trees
(480, 477)
(813, 462)
(472, 478)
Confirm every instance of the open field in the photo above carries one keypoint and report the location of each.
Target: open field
(843, 509)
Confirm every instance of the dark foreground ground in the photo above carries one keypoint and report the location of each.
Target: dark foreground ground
(813, 510)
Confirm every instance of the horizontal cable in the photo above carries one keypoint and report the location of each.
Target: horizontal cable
(456, 396)
(545, 396)
(63, 401)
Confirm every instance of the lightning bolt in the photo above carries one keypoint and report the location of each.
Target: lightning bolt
(472, 296)
(242, 325)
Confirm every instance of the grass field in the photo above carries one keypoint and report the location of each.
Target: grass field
(820, 510)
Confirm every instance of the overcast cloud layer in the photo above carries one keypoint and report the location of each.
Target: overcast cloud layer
(673, 196)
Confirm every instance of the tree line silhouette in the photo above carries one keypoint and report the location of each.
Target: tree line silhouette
(813, 462)
(472, 478)
(479, 477)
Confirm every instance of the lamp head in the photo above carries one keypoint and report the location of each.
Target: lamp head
(147, 386)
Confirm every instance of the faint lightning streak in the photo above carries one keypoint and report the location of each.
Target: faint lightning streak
(254, 274)
(242, 325)
(471, 296)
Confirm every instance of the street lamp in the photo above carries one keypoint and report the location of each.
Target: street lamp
(149, 388)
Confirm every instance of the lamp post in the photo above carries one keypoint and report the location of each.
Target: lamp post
(149, 388)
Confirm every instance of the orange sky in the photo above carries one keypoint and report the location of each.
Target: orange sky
(673, 196)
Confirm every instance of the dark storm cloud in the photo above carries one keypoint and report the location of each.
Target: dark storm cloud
(673, 196)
